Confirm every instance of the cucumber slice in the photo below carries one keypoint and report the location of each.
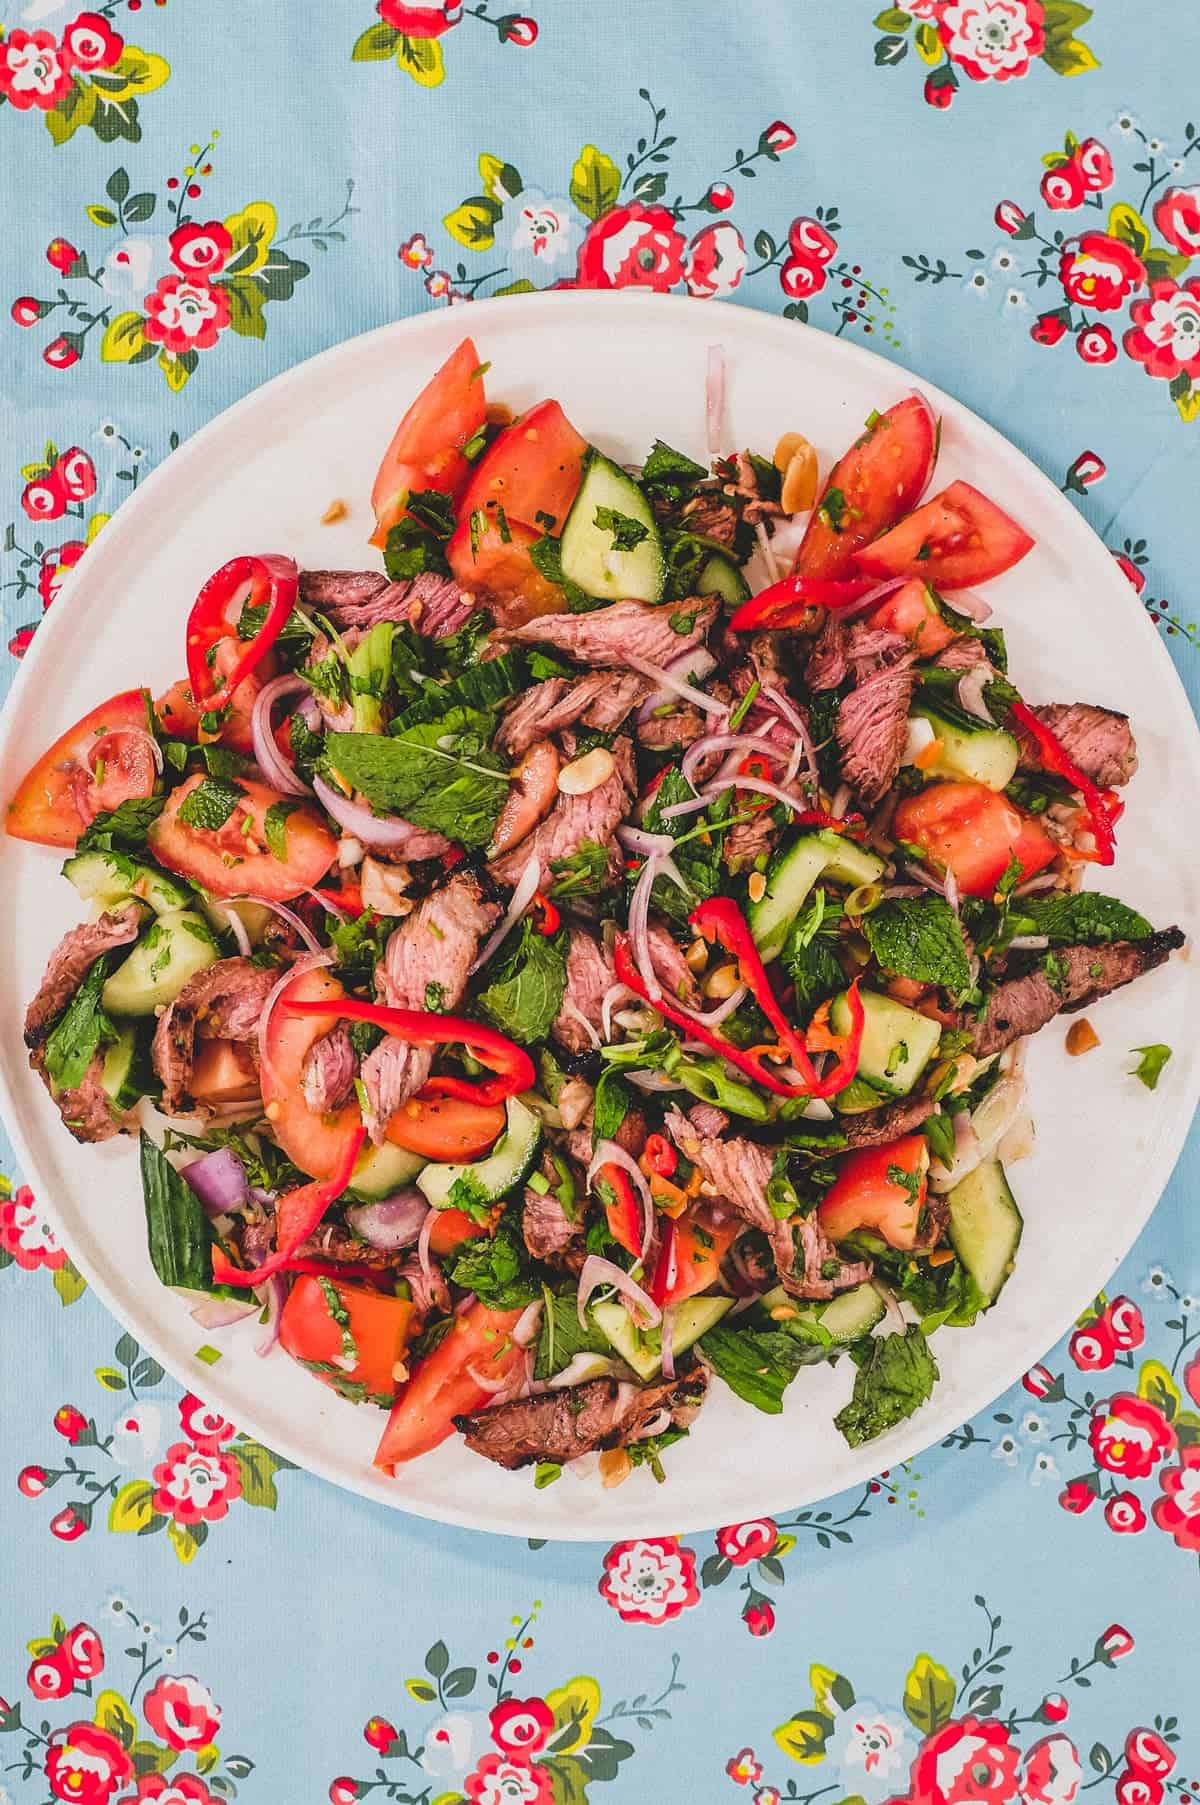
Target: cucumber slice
(980, 754)
(384, 1170)
(792, 875)
(721, 576)
(590, 558)
(642, 1348)
(253, 916)
(847, 1317)
(897, 1043)
(985, 1226)
(174, 948)
(109, 877)
(125, 1076)
(494, 1177)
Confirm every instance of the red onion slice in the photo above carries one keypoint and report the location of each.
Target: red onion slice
(722, 742)
(668, 1345)
(271, 762)
(576, 1014)
(273, 1296)
(973, 606)
(597, 1272)
(356, 818)
(714, 397)
(664, 675)
(615, 994)
(645, 845)
(392, 1222)
(935, 435)
(872, 598)
(639, 924)
(309, 962)
(307, 937)
(329, 906)
(969, 693)
(526, 1327)
(222, 1312)
(218, 1179)
(424, 1257)
(608, 1153)
(697, 663)
(518, 905)
(760, 786)
(237, 926)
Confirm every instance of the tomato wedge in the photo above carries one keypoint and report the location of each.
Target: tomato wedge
(373, 1323)
(624, 1211)
(975, 832)
(533, 467)
(107, 758)
(452, 1228)
(224, 1072)
(426, 447)
(500, 567)
(317, 1144)
(180, 718)
(913, 613)
(689, 1256)
(446, 1128)
(233, 859)
(879, 1188)
(442, 1387)
(880, 478)
(957, 539)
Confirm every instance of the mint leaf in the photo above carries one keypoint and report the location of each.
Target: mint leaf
(441, 775)
(920, 938)
(80, 1031)
(496, 1269)
(210, 804)
(627, 533)
(124, 828)
(526, 997)
(561, 1336)
(1083, 919)
(275, 828)
(1150, 1066)
(757, 1364)
(896, 1377)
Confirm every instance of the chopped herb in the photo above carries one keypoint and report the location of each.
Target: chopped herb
(341, 1317)
(584, 873)
(757, 1364)
(526, 991)
(669, 474)
(275, 828)
(648, 1453)
(627, 533)
(124, 828)
(497, 1270)
(358, 945)
(329, 678)
(1055, 968)
(939, 1134)
(546, 521)
(682, 623)
(738, 714)
(919, 938)
(546, 556)
(441, 774)
(210, 804)
(545, 1473)
(1083, 917)
(833, 510)
(209, 1355)
(435, 996)
(896, 1375)
(1150, 1066)
(294, 636)
(479, 372)
(80, 1031)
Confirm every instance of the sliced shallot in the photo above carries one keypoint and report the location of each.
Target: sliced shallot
(597, 1272)
(518, 904)
(271, 762)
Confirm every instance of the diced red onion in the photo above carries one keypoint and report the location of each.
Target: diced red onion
(309, 962)
(272, 1295)
(528, 1323)
(222, 1312)
(218, 1179)
(271, 762)
(392, 1222)
(614, 994)
(356, 818)
(597, 1272)
(518, 905)
(668, 1346)
(237, 927)
(301, 928)
(973, 606)
(951, 889)
(665, 677)
(969, 692)
(714, 397)
(608, 1153)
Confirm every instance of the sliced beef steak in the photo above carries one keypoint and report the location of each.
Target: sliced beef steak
(338, 593)
(70, 963)
(550, 1234)
(329, 1070)
(223, 1002)
(1085, 973)
(610, 635)
(362, 598)
(872, 728)
(1098, 740)
(600, 701)
(967, 653)
(574, 821)
(561, 1425)
(590, 976)
(876, 1127)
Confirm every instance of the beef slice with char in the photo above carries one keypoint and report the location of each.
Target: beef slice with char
(225, 1001)
(573, 822)
(1098, 740)
(619, 631)
(1022, 1005)
(561, 1425)
(85, 1108)
(600, 701)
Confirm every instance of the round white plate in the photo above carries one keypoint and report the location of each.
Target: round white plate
(627, 368)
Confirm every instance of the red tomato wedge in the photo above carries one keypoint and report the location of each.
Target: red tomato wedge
(501, 569)
(913, 613)
(317, 1144)
(107, 758)
(958, 539)
(864, 1196)
(233, 859)
(446, 1383)
(452, 1228)
(975, 832)
(224, 1072)
(880, 478)
(426, 447)
(446, 1128)
(533, 467)
(689, 1257)
(376, 1324)
(180, 718)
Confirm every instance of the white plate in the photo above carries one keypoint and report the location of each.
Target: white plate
(627, 368)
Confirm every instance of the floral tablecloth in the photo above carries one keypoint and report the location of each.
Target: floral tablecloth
(1002, 194)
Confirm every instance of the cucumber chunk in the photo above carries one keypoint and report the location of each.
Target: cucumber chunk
(979, 754)
(985, 1226)
(721, 576)
(124, 1077)
(173, 949)
(110, 877)
(897, 1042)
(793, 873)
(590, 557)
(847, 1317)
(490, 1179)
(642, 1348)
(383, 1170)
(254, 917)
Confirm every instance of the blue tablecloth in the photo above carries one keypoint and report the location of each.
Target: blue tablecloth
(1001, 194)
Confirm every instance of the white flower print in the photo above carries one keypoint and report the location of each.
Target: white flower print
(874, 1749)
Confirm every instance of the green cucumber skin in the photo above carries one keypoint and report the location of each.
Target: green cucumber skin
(501, 1172)
(848, 1317)
(986, 1226)
(889, 1024)
(988, 755)
(180, 944)
(791, 877)
(588, 557)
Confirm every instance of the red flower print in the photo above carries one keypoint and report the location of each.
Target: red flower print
(1088, 468)
(1137, 1789)
(186, 314)
(1124, 1514)
(808, 238)
(1009, 217)
(1177, 216)
(716, 260)
(939, 94)
(759, 1618)
(1147, 1753)
(62, 255)
(499, 1780)
(416, 252)
(1129, 1435)
(198, 250)
(33, 72)
(1125, 1322)
(1052, 1772)
(50, 1676)
(67, 1527)
(649, 1580)
(521, 1726)
(181, 1711)
(1191, 1378)
(1054, 1709)
(1115, 1643)
(1165, 335)
(1179, 1512)
(1096, 345)
(801, 277)
(993, 40)
(1137, 577)
(24, 1231)
(1100, 272)
(85, 1765)
(181, 1789)
(1095, 166)
(83, 1651)
(632, 247)
(1038, 1381)
(61, 352)
(421, 21)
(91, 43)
(1077, 1496)
(76, 472)
(521, 32)
(742, 1543)
(1063, 188)
(379, 1733)
(1092, 1348)
(966, 1761)
(343, 1790)
(206, 1429)
(719, 197)
(195, 1487)
(31, 1481)
(54, 562)
(1048, 329)
(779, 136)
(70, 1422)
(27, 310)
(744, 1768)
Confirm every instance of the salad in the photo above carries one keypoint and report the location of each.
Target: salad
(591, 956)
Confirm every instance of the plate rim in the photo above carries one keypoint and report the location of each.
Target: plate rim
(740, 322)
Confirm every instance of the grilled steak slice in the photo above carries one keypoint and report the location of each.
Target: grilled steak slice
(331, 1241)
(338, 593)
(748, 840)
(601, 701)
(872, 728)
(436, 946)
(714, 514)
(224, 1002)
(329, 1070)
(574, 819)
(966, 653)
(561, 1425)
(550, 1234)
(682, 727)
(610, 635)
(70, 963)
(1098, 740)
(430, 1292)
(590, 976)
(437, 606)
(850, 649)
(736, 1172)
(708, 1121)
(876, 1127)
(1023, 1005)
(362, 598)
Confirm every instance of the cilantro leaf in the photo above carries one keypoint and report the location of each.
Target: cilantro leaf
(80, 1031)
(210, 804)
(526, 995)
(497, 1268)
(441, 774)
(546, 557)
(809, 953)
(584, 873)
(124, 828)
(896, 1377)
(1149, 1067)
(359, 944)
(613, 1102)
(627, 533)
(919, 938)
